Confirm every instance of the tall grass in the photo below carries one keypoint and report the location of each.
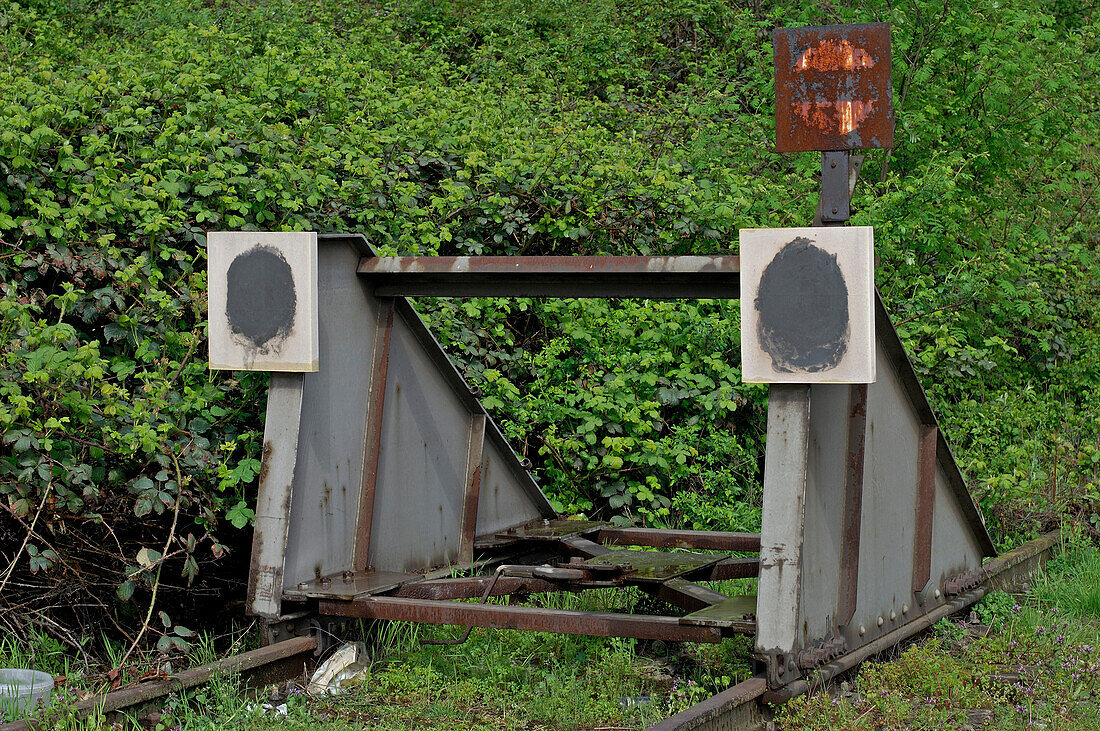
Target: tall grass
(1071, 581)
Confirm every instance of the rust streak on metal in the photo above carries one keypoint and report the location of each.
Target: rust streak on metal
(535, 619)
(474, 460)
(833, 88)
(853, 504)
(373, 441)
(697, 539)
(926, 500)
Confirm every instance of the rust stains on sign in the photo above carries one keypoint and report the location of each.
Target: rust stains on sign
(832, 88)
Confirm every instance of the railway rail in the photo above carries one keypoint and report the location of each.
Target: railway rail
(742, 707)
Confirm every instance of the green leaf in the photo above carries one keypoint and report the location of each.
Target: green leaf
(147, 557)
(240, 515)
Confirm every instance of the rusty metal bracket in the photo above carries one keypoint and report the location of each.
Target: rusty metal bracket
(835, 196)
(286, 627)
(962, 583)
(822, 651)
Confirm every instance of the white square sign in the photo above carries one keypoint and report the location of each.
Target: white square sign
(807, 305)
(262, 291)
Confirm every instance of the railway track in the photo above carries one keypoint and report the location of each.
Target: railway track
(740, 708)
(275, 663)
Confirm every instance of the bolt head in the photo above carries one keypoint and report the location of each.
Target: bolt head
(881, 621)
(835, 209)
(862, 630)
(893, 616)
(905, 609)
(832, 164)
(937, 593)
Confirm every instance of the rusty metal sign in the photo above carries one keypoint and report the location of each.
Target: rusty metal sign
(832, 88)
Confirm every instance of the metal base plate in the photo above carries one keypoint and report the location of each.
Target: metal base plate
(654, 565)
(737, 613)
(551, 529)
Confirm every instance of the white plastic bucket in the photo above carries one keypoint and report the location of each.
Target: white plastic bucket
(22, 691)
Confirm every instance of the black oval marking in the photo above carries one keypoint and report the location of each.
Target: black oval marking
(260, 297)
(802, 306)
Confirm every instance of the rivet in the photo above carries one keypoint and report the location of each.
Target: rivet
(832, 164)
(834, 209)
(862, 630)
(348, 577)
(302, 586)
(780, 670)
(937, 594)
(905, 609)
(881, 621)
(893, 616)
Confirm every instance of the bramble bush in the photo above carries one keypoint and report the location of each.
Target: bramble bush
(127, 130)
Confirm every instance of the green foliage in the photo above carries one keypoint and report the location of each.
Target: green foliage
(995, 608)
(1072, 582)
(129, 129)
(633, 404)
